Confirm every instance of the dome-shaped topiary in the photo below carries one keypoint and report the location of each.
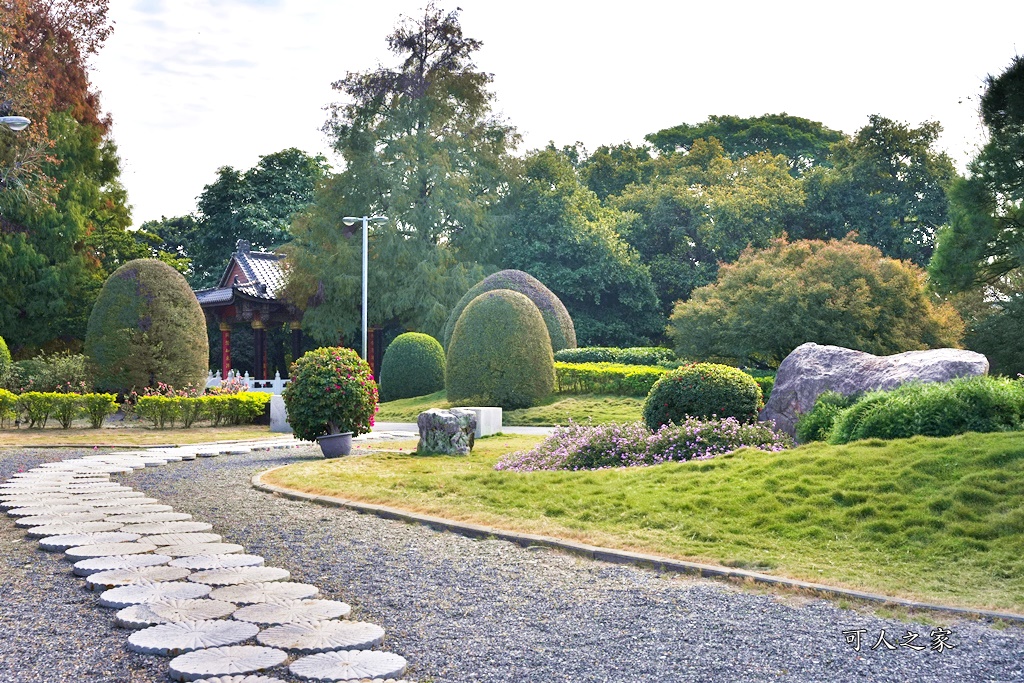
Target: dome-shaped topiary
(5, 361)
(146, 327)
(702, 390)
(500, 353)
(556, 318)
(413, 365)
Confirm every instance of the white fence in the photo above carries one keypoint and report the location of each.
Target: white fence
(270, 386)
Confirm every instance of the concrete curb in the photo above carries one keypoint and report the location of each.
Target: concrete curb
(621, 556)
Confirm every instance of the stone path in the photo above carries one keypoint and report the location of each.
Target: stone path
(190, 596)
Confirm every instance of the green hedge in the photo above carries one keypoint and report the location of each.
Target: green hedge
(37, 407)
(8, 401)
(165, 411)
(637, 355)
(606, 378)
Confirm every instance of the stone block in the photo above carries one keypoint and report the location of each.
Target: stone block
(279, 416)
(488, 420)
(446, 432)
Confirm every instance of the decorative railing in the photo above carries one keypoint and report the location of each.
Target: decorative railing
(270, 386)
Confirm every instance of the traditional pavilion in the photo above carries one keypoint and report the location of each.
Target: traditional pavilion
(248, 293)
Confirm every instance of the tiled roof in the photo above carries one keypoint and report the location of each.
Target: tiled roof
(263, 274)
(212, 297)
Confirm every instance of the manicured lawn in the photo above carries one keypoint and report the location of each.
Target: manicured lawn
(136, 435)
(930, 519)
(560, 409)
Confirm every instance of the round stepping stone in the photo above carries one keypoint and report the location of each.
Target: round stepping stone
(143, 518)
(183, 539)
(103, 564)
(56, 509)
(131, 509)
(289, 611)
(167, 527)
(141, 593)
(237, 575)
(65, 541)
(123, 501)
(59, 518)
(193, 549)
(220, 661)
(96, 487)
(107, 495)
(346, 665)
(72, 528)
(101, 581)
(172, 611)
(84, 552)
(26, 489)
(239, 679)
(186, 636)
(322, 636)
(26, 501)
(265, 591)
(203, 562)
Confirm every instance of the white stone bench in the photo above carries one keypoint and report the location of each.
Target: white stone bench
(488, 420)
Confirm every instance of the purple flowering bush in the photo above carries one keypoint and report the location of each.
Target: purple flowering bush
(589, 447)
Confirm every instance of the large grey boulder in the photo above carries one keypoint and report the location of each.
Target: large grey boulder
(446, 432)
(812, 369)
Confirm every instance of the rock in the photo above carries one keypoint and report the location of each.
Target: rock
(446, 432)
(812, 369)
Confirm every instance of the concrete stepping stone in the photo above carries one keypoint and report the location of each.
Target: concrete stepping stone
(172, 611)
(101, 581)
(236, 575)
(347, 665)
(107, 495)
(311, 637)
(96, 487)
(64, 541)
(22, 489)
(279, 611)
(84, 552)
(35, 499)
(102, 503)
(130, 509)
(61, 518)
(203, 562)
(221, 661)
(265, 591)
(240, 679)
(141, 593)
(144, 517)
(183, 539)
(70, 528)
(193, 549)
(186, 636)
(54, 509)
(167, 527)
(103, 564)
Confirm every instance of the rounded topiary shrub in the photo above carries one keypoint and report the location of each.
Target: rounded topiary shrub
(556, 318)
(702, 390)
(5, 361)
(500, 353)
(331, 391)
(146, 327)
(413, 365)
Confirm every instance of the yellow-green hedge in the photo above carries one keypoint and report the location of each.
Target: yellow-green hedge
(606, 378)
(165, 411)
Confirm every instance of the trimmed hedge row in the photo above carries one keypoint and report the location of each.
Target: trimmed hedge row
(241, 408)
(606, 378)
(37, 407)
(637, 355)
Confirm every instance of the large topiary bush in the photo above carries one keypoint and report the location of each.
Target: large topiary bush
(413, 365)
(146, 327)
(331, 391)
(702, 390)
(5, 361)
(560, 328)
(500, 353)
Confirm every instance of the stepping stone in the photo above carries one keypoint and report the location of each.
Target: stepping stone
(203, 562)
(144, 517)
(65, 541)
(101, 581)
(183, 539)
(289, 611)
(102, 503)
(96, 487)
(84, 552)
(346, 665)
(56, 509)
(131, 509)
(193, 549)
(186, 636)
(61, 518)
(172, 611)
(167, 527)
(103, 564)
(239, 679)
(141, 593)
(237, 575)
(23, 489)
(322, 636)
(266, 591)
(220, 661)
(70, 528)
(35, 499)
(107, 495)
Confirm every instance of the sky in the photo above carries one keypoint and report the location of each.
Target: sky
(194, 85)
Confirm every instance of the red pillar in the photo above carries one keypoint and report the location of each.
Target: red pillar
(225, 350)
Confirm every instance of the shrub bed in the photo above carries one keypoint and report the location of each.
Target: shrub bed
(586, 447)
(236, 409)
(637, 355)
(606, 378)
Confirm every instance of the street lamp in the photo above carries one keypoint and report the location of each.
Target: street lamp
(350, 221)
(14, 122)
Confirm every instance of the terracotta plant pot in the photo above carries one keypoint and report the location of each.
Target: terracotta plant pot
(335, 445)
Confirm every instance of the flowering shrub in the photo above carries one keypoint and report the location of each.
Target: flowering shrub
(588, 447)
(229, 386)
(332, 391)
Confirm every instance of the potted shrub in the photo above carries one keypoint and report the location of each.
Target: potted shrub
(331, 398)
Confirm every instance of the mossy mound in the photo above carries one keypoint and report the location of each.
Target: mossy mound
(413, 365)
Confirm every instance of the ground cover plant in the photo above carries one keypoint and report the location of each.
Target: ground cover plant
(937, 519)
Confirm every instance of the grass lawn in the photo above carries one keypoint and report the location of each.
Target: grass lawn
(940, 520)
(136, 435)
(559, 409)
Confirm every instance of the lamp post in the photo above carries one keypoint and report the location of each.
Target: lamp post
(350, 221)
(14, 122)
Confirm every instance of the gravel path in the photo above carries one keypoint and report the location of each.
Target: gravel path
(467, 610)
